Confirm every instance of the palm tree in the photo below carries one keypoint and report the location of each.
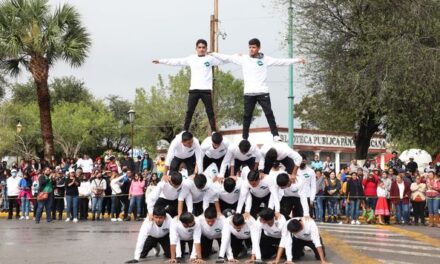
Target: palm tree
(34, 37)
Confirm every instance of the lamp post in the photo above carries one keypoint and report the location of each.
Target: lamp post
(131, 114)
(18, 129)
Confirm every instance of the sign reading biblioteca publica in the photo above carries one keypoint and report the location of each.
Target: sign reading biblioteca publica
(331, 140)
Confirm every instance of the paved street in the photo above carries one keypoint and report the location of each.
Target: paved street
(107, 242)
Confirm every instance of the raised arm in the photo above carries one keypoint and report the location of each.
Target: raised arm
(173, 62)
(236, 59)
(283, 62)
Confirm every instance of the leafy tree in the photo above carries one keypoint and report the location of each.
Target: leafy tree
(370, 61)
(33, 37)
(116, 135)
(24, 93)
(69, 89)
(160, 111)
(79, 126)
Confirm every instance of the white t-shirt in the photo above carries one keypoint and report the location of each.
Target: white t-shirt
(201, 71)
(231, 197)
(272, 231)
(265, 187)
(149, 228)
(178, 150)
(191, 194)
(255, 70)
(309, 182)
(245, 232)
(221, 151)
(212, 232)
(86, 165)
(310, 232)
(283, 151)
(163, 190)
(179, 233)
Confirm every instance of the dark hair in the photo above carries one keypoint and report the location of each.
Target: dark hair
(176, 178)
(186, 218)
(267, 214)
(210, 213)
(186, 136)
(272, 158)
(201, 41)
(253, 175)
(238, 220)
(294, 226)
(244, 146)
(283, 179)
(200, 181)
(354, 173)
(159, 211)
(217, 138)
(255, 42)
(303, 156)
(229, 185)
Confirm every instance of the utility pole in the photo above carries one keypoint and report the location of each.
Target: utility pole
(214, 48)
(291, 97)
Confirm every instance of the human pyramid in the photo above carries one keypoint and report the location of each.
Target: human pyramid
(252, 201)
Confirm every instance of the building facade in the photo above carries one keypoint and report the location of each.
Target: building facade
(338, 146)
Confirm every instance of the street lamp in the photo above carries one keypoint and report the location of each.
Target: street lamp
(18, 128)
(131, 114)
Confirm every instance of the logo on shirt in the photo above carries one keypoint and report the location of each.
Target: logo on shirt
(247, 233)
(166, 230)
(260, 63)
(306, 175)
(218, 230)
(222, 150)
(263, 187)
(191, 150)
(237, 191)
(207, 64)
(249, 154)
(191, 230)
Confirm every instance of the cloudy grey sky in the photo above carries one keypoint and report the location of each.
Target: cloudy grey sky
(128, 34)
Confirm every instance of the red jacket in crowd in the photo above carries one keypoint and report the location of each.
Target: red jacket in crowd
(370, 185)
(395, 194)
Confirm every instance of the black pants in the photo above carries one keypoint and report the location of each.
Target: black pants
(256, 202)
(207, 246)
(169, 205)
(298, 247)
(208, 161)
(419, 212)
(182, 246)
(151, 242)
(287, 162)
(238, 164)
(106, 205)
(237, 245)
(386, 218)
(126, 203)
(224, 205)
(13, 203)
(193, 99)
(291, 204)
(249, 105)
(268, 246)
(58, 206)
(189, 162)
(83, 208)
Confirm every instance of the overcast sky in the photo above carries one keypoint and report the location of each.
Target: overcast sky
(127, 35)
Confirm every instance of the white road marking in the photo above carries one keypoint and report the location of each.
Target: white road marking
(384, 250)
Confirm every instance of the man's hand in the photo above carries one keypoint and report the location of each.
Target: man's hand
(197, 261)
(277, 215)
(324, 262)
(246, 216)
(302, 61)
(150, 217)
(233, 260)
(262, 175)
(289, 262)
(172, 261)
(307, 218)
(166, 178)
(155, 61)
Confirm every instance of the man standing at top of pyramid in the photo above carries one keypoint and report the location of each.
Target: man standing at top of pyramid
(201, 81)
(256, 90)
